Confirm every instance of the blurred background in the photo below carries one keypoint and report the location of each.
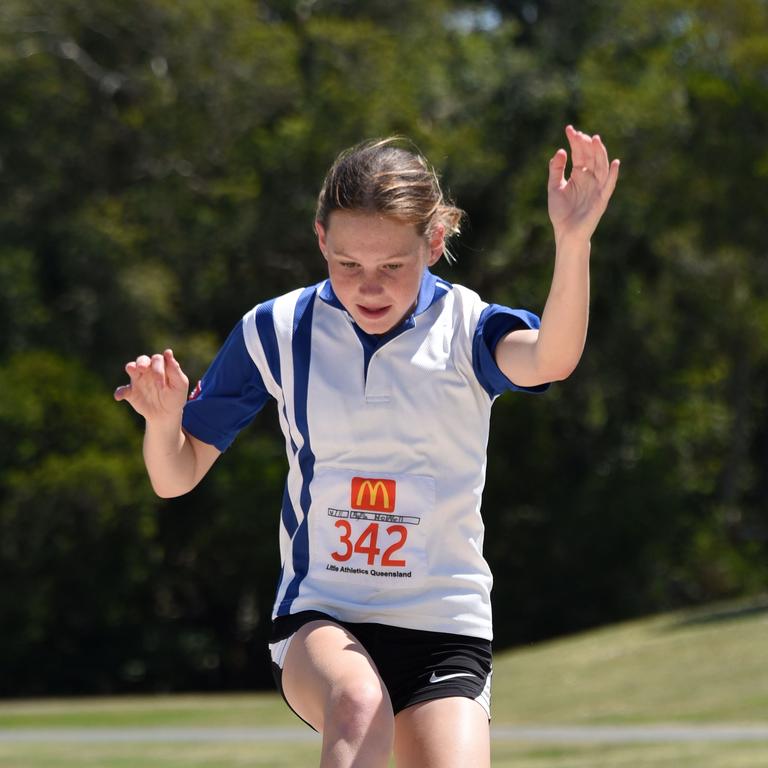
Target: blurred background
(159, 164)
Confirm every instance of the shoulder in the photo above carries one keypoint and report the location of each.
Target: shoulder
(466, 298)
(464, 304)
(470, 304)
(283, 315)
(283, 307)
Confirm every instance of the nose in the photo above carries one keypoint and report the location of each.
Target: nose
(370, 286)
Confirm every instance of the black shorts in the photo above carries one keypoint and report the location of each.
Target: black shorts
(415, 665)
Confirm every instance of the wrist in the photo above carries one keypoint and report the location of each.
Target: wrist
(164, 426)
(573, 243)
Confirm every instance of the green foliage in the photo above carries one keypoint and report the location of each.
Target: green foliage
(159, 163)
(77, 527)
(688, 121)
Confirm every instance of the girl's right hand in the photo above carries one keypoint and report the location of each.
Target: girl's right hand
(158, 388)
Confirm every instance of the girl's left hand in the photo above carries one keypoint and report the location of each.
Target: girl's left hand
(577, 204)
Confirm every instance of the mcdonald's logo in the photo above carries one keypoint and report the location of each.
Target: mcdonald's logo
(374, 494)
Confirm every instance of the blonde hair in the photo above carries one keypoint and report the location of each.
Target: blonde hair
(378, 176)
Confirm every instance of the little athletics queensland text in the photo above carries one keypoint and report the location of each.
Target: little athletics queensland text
(369, 571)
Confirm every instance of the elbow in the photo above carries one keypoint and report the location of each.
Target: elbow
(167, 493)
(562, 373)
(559, 370)
(167, 490)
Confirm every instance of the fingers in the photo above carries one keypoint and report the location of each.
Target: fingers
(589, 155)
(613, 177)
(601, 159)
(133, 370)
(582, 153)
(157, 372)
(123, 393)
(160, 370)
(176, 377)
(138, 368)
(557, 169)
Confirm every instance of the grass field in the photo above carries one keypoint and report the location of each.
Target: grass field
(299, 756)
(699, 667)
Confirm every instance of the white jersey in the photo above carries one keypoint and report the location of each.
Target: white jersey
(386, 440)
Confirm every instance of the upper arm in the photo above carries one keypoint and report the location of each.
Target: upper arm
(516, 357)
(229, 395)
(504, 350)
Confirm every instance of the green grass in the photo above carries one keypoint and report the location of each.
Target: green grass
(299, 756)
(631, 756)
(229, 710)
(705, 666)
(158, 755)
(697, 667)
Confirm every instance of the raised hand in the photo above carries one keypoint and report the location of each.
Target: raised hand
(577, 204)
(158, 388)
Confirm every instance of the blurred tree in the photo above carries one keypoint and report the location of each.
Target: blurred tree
(689, 106)
(77, 530)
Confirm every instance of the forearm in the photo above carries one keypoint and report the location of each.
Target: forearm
(169, 458)
(575, 207)
(564, 321)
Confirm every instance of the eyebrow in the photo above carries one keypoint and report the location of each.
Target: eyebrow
(392, 257)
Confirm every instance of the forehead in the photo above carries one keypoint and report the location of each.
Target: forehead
(354, 233)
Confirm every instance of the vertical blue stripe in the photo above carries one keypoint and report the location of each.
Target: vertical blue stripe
(265, 326)
(302, 351)
(290, 522)
(280, 578)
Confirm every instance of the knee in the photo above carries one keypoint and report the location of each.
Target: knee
(361, 710)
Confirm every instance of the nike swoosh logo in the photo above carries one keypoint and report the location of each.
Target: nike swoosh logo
(439, 679)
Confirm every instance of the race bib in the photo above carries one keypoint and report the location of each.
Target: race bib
(369, 528)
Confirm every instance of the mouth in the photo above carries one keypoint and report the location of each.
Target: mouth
(372, 313)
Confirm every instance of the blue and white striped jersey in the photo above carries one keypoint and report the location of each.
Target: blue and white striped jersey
(386, 439)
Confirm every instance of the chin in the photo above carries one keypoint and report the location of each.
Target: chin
(376, 328)
(375, 324)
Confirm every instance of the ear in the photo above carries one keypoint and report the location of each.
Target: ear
(436, 244)
(320, 231)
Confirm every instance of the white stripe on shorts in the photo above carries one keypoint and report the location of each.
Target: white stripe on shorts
(484, 699)
(279, 650)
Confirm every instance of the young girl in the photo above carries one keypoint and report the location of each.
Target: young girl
(383, 376)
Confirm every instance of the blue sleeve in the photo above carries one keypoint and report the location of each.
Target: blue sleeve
(228, 396)
(495, 323)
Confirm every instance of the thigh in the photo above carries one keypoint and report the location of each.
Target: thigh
(443, 733)
(322, 658)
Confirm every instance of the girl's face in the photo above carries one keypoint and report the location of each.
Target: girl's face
(375, 265)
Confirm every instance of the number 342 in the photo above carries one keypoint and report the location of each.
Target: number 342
(367, 543)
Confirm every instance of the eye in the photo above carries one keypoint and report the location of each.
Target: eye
(392, 267)
(347, 264)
